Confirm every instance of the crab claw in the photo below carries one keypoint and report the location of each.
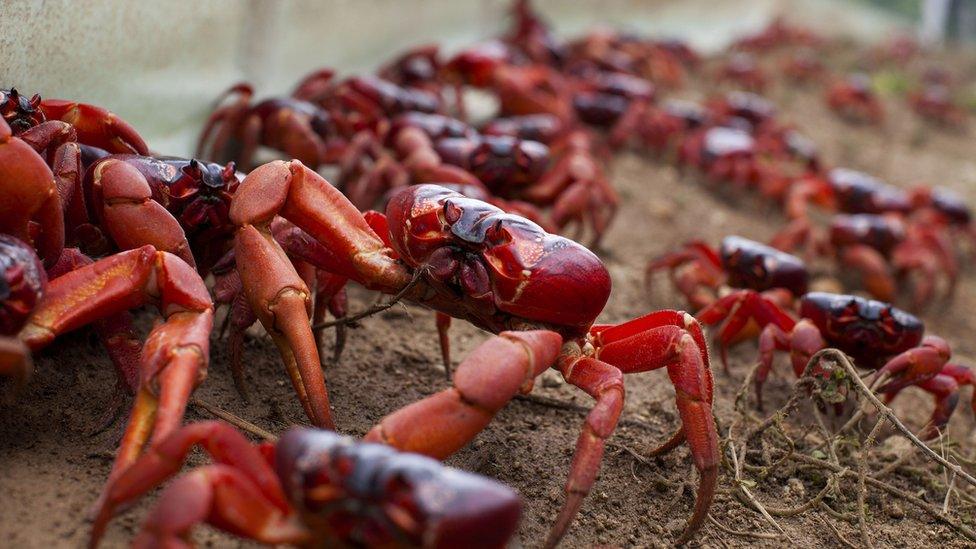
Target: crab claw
(339, 241)
(30, 197)
(96, 126)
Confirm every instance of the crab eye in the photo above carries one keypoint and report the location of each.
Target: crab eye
(497, 235)
(452, 212)
(193, 168)
(229, 170)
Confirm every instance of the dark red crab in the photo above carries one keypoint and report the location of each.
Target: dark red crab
(844, 190)
(742, 69)
(47, 124)
(741, 287)
(729, 155)
(294, 124)
(38, 306)
(854, 99)
(472, 261)
(877, 336)
(699, 272)
(504, 164)
(883, 250)
(178, 205)
(22, 284)
(312, 487)
(934, 103)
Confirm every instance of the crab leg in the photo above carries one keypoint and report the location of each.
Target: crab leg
(217, 494)
(115, 332)
(671, 339)
(47, 135)
(224, 121)
(484, 382)
(344, 245)
(15, 361)
(875, 274)
(741, 308)
(330, 296)
(96, 126)
(915, 365)
(802, 341)
(296, 138)
(944, 388)
(605, 384)
(174, 358)
(251, 476)
(696, 272)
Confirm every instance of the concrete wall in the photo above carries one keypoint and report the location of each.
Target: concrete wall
(160, 64)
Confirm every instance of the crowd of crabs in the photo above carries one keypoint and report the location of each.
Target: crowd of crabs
(95, 225)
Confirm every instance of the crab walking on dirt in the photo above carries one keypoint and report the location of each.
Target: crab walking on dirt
(540, 292)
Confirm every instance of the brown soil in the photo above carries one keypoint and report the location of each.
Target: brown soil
(53, 468)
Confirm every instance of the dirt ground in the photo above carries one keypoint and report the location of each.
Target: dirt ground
(53, 467)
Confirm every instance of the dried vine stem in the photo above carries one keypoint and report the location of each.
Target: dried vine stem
(741, 533)
(741, 489)
(233, 419)
(841, 359)
(837, 534)
(933, 511)
(862, 489)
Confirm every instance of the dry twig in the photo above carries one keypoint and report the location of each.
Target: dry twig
(233, 419)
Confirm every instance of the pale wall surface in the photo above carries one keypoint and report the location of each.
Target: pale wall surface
(160, 64)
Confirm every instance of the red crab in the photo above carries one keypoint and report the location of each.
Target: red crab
(745, 110)
(422, 148)
(700, 272)
(845, 190)
(43, 144)
(419, 67)
(544, 128)
(577, 187)
(177, 205)
(373, 165)
(80, 292)
(658, 129)
(743, 284)
(743, 70)
(803, 67)
(664, 62)
(470, 260)
(729, 155)
(49, 124)
(934, 103)
(531, 35)
(601, 98)
(294, 125)
(778, 33)
(312, 487)
(879, 247)
(854, 100)
(877, 336)
(942, 208)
